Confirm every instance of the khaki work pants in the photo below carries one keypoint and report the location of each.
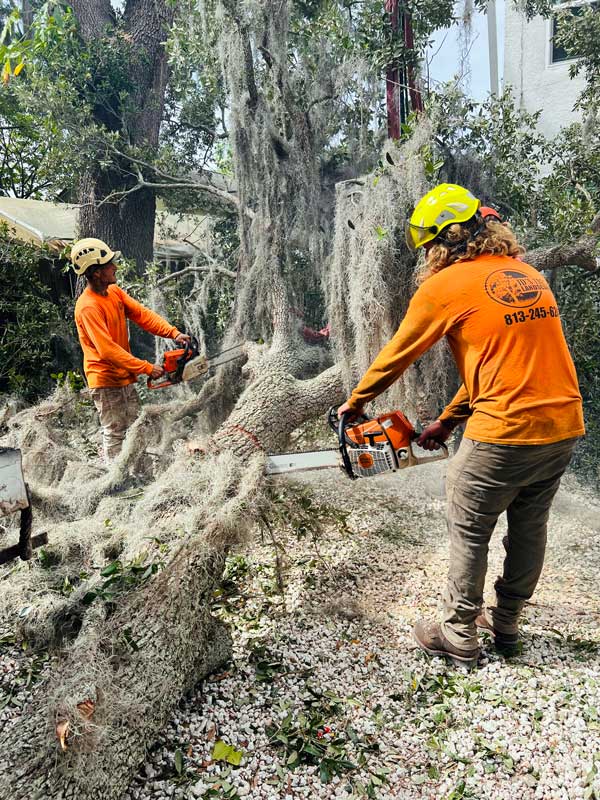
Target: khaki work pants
(118, 408)
(483, 481)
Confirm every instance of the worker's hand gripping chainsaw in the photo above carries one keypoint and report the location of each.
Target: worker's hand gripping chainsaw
(365, 448)
(187, 363)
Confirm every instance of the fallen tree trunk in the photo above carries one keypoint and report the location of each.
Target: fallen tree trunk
(114, 687)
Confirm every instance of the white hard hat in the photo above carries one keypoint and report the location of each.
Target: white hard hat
(88, 253)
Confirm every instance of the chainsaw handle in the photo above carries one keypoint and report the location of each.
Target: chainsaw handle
(427, 459)
(344, 421)
(332, 418)
(161, 385)
(443, 445)
(339, 427)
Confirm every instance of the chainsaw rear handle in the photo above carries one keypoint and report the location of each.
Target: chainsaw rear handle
(419, 460)
(161, 385)
(443, 445)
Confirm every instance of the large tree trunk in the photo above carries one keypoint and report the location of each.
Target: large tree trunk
(129, 224)
(132, 690)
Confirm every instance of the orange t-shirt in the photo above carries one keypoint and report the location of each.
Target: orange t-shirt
(501, 321)
(102, 328)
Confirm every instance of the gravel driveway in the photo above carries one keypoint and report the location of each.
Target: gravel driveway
(328, 697)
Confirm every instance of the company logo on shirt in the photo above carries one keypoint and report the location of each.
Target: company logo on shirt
(514, 288)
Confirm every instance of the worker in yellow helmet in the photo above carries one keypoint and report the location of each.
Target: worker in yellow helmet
(101, 315)
(524, 416)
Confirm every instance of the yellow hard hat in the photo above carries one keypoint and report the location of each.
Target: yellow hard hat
(442, 206)
(90, 252)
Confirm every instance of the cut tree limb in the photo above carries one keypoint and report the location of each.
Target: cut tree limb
(133, 661)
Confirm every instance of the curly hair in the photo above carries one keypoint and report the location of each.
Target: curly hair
(491, 237)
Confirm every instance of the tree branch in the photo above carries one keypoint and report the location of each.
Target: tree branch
(171, 182)
(318, 100)
(197, 268)
(582, 252)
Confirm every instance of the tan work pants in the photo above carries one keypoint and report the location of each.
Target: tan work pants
(118, 408)
(483, 481)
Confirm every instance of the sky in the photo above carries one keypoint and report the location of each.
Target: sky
(444, 55)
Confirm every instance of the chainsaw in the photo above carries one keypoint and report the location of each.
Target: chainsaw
(365, 448)
(187, 363)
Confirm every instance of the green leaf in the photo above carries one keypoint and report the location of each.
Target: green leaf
(352, 735)
(226, 752)
(178, 762)
(313, 750)
(110, 569)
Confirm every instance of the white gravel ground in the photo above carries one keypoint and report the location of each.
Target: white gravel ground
(338, 646)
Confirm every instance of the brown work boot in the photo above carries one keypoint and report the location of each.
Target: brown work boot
(429, 637)
(507, 643)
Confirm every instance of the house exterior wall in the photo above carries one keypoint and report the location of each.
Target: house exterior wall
(538, 84)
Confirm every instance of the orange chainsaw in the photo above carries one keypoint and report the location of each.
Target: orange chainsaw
(365, 448)
(187, 363)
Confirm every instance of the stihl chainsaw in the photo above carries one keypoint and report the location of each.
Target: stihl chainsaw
(187, 363)
(365, 448)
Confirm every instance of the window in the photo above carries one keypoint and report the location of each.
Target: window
(558, 53)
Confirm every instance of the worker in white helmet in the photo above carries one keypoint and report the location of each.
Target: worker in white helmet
(101, 315)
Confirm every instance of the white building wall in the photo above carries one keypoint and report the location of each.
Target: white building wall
(538, 84)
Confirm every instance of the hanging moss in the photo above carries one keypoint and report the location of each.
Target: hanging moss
(372, 276)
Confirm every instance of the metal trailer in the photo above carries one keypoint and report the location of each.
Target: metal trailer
(14, 496)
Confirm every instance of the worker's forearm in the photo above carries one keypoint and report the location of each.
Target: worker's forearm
(423, 325)
(118, 357)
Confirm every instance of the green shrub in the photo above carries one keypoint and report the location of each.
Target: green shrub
(36, 340)
(579, 298)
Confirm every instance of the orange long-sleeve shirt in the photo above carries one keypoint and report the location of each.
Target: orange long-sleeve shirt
(459, 408)
(102, 328)
(501, 321)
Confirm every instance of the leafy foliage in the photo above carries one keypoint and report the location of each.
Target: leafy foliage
(579, 299)
(120, 578)
(35, 339)
(35, 160)
(308, 738)
(569, 196)
(492, 146)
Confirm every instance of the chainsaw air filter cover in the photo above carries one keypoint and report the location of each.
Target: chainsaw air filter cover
(379, 445)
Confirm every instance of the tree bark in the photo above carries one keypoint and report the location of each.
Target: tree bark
(129, 224)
